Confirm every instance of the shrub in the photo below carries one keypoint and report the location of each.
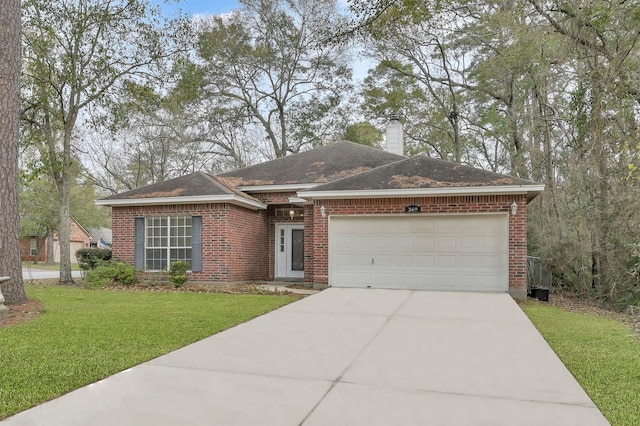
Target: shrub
(178, 273)
(108, 273)
(90, 258)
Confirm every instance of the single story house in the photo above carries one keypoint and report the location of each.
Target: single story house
(342, 215)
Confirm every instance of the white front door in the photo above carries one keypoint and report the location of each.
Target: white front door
(289, 250)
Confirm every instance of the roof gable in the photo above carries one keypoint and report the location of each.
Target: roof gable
(316, 166)
(196, 187)
(194, 184)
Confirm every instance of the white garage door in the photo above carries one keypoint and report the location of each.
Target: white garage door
(442, 252)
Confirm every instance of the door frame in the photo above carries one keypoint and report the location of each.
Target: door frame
(282, 261)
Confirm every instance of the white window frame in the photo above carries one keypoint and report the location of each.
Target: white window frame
(33, 246)
(163, 233)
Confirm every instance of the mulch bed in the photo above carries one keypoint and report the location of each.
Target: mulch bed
(249, 288)
(18, 314)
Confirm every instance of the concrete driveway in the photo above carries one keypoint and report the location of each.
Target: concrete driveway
(347, 357)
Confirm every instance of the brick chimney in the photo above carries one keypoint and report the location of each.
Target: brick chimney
(394, 137)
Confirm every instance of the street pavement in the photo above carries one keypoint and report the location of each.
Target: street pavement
(29, 274)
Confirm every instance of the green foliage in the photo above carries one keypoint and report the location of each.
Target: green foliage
(375, 18)
(178, 273)
(602, 354)
(110, 273)
(363, 133)
(91, 258)
(84, 336)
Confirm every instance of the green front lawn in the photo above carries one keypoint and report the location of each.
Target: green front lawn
(601, 353)
(84, 336)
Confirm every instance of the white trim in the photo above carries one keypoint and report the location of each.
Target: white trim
(429, 192)
(277, 188)
(298, 200)
(282, 261)
(195, 199)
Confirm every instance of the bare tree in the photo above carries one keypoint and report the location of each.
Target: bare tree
(81, 54)
(266, 65)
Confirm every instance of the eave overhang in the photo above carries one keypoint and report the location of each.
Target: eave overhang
(199, 199)
(277, 188)
(531, 190)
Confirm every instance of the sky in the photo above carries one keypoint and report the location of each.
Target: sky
(216, 7)
(197, 7)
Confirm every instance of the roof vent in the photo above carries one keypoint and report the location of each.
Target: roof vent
(394, 136)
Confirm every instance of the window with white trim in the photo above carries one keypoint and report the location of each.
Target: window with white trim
(33, 246)
(167, 239)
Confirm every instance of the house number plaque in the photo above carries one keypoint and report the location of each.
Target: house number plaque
(412, 209)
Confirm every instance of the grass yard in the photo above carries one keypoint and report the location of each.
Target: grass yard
(601, 353)
(84, 336)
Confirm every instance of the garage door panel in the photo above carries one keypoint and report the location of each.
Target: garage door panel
(382, 280)
(403, 243)
(445, 225)
(359, 260)
(469, 242)
(385, 262)
(446, 261)
(424, 260)
(493, 243)
(453, 252)
(421, 227)
(446, 242)
(403, 227)
(403, 261)
(424, 243)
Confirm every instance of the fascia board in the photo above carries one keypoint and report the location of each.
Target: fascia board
(277, 188)
(298, 200)
(198, 199)
(427, 192)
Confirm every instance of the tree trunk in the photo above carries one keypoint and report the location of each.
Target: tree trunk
(64, 233)
(50, 260)
(10, 262)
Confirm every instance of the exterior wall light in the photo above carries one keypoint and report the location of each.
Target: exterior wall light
(323, 212)
(292, 213)
(514, 208)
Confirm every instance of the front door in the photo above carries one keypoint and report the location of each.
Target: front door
(289, 251)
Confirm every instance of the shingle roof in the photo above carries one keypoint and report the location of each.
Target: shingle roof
(421, 172)
(342, 166)
(320, 165)
(194, 184)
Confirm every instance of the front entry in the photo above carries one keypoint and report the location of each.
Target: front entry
(289, 250)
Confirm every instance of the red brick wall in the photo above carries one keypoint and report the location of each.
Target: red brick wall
(233, 239)
(454, 204)
(238, 243)
(25, 250)
(274, 197)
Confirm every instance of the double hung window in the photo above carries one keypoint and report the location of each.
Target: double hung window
(167, 239)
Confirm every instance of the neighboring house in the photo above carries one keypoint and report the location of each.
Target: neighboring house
(342, 215)
(32, 246)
